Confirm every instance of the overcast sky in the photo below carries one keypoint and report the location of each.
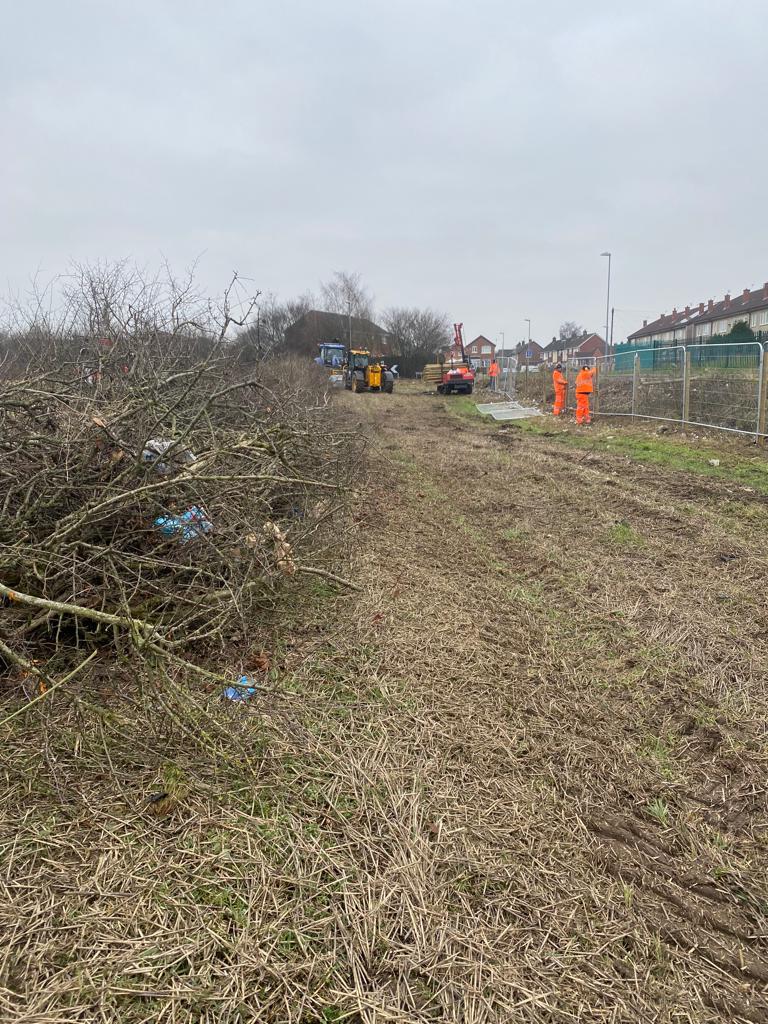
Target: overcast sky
(474, 157)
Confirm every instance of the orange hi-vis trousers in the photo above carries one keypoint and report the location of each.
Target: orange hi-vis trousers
(560, 392)
(583, 414)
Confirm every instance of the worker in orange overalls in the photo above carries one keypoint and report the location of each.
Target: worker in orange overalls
(561, 389)
(493, 373)
(584, 388)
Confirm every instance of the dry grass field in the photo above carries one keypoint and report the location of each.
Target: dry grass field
(519, 775)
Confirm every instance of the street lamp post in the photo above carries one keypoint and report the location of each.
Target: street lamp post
(608, 302)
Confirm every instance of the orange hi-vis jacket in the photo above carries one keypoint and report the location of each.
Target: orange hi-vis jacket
(493, 369)
(558, 379)
(584, 378)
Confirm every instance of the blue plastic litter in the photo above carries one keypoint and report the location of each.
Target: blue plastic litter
(243, 690)
(190, 524)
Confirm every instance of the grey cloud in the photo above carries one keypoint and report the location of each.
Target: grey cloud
(476, 158)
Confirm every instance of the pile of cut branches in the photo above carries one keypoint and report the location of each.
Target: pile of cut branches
(158, 491)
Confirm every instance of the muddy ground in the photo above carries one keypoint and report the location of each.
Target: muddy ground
(520, 775)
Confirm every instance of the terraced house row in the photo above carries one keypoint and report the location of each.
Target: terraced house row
(696, 324)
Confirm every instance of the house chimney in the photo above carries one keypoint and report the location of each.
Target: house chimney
(645, 323)
(687, 310)
(701, 308)
(745, 294)
(710, 305)
(765, 290)
(674, 311)
(727, 300)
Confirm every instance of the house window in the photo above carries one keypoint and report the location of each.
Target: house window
(486, 350)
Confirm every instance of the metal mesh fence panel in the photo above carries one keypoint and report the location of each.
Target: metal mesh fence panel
(724, 385)
(613, 386)
(531, 382)
(660, 383)
(507, 367)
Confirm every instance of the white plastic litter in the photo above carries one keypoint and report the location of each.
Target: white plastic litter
(157, 447)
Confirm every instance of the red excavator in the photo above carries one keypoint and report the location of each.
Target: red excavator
(457, 377)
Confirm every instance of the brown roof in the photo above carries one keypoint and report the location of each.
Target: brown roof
(318, 326)
(705, 312)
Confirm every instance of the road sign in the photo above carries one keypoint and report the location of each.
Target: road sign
(529, 353)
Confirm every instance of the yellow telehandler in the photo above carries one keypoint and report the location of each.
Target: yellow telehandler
(362, 373)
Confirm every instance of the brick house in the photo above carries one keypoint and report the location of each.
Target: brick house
(536, 357)
(592, 346)
(480, 350)
(588, 346)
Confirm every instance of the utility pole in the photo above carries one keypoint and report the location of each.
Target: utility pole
(607, 298)
(527, 321)
(610, 346)
(349, 315)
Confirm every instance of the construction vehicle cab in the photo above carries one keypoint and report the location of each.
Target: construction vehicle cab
(456, 379)
(363, 373)
(332, 354)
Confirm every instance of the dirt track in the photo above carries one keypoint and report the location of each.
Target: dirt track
(572, 653)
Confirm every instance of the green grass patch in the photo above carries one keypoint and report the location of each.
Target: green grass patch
(464, 406)
(622, 535)
(671, 452)
(529, 594)
(657, 750)
(658, 809)
(678, 454)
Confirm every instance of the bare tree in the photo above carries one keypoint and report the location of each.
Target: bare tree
(570, 331)
(102, 316)
(346, 293)
(265, 335)
(417, 334)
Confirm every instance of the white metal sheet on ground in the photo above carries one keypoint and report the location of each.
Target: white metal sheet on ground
(507, 410)
(515, 414)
